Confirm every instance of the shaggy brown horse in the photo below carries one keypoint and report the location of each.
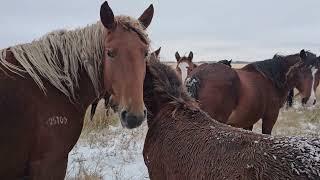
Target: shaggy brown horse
(184, 143)
(240, 97)
(48, 84)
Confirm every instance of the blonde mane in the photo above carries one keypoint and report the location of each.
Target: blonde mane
(58, 56)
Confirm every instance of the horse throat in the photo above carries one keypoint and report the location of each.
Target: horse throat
(184, 70)
(312, 97)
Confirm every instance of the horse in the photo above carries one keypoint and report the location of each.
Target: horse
(240, 97)
(107, 102)
(48, 84)
(183, 142)
(216, 87)
(315, 83)
(184, 65)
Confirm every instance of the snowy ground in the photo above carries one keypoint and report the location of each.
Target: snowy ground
(115, 153)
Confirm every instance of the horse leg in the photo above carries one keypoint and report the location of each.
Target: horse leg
(241, 119)
(268, 122)
(249, 128)
(51, 169)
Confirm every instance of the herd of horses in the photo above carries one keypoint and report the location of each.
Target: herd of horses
(194, 113)
(240, 97)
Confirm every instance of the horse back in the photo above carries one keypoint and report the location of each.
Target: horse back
(218, 90)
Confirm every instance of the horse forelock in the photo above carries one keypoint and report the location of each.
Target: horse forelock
(166, 84)
(59, 55)
(134, 25)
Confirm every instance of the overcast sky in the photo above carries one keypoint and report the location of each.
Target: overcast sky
(239, 29)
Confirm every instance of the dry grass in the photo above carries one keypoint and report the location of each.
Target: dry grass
(101, 120)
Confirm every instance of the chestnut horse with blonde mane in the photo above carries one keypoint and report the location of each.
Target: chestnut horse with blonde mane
(48, 84)
(240, 97)
(183, 142)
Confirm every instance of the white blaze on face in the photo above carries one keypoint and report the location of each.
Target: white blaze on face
(313, 95)
(184, 70)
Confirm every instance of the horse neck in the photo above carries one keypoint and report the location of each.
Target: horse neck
(86, 94)
(160, 104)
(156, 111)
(153, 105)
(291, 60)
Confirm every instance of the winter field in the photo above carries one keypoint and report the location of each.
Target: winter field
(107, 151)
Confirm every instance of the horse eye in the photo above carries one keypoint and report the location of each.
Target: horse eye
(110, 53)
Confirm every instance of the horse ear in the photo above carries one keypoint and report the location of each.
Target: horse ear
(146, 17)
(157, 52)
(303, 54)
(177, 56)
(230, 61)
(190, 56)
(106, 16)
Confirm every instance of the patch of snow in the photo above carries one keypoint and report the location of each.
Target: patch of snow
(114, 153)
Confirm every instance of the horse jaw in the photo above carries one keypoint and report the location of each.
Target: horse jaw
(184, 70)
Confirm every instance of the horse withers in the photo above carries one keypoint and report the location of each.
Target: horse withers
(48, 84)
(183, 142)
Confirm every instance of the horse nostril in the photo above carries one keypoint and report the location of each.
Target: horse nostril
(314, 102)
(304, 100)
(124, 114)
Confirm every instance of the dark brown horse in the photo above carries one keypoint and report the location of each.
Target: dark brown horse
(183, 142)
(47, 85)
(240, 97)
(315, 83)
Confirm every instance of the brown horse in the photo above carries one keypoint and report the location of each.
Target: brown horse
(241, 97)
(184, 65)
(216, 87)
(48, 84)
(315, 83)
(183, 142)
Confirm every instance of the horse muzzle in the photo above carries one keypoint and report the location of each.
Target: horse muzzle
(308, 101)
(130, 120)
